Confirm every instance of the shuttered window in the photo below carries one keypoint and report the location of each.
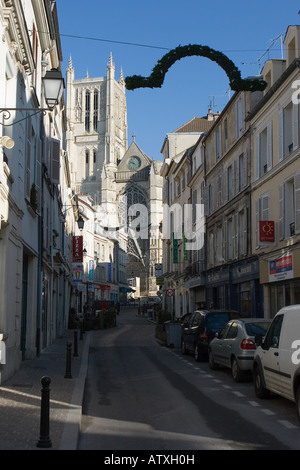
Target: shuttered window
(55, 161)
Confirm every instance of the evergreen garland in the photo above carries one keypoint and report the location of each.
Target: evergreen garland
(155, 80)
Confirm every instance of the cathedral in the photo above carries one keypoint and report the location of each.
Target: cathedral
(122, 182)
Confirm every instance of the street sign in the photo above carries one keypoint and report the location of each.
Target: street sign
(158, 269)
(170, 292)
(160, 281)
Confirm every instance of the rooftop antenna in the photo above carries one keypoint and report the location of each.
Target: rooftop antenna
(269, 48)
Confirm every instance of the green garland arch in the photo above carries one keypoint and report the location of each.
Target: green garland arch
(155, 80)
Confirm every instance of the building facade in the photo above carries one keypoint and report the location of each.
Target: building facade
(244, 171)
(34, 258)
(275, 170)
(232, 270)
(123, 183)
(178, 199)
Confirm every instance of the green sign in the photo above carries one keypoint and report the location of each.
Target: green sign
(184, 248)
(160, 281)
(175, 248)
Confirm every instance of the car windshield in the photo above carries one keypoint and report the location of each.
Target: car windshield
(257, 328)
(216, 320)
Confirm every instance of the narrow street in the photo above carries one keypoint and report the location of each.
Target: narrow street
(141, 395)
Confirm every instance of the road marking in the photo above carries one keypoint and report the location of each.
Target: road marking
(238, 394)
(267, 412)
(287, 424)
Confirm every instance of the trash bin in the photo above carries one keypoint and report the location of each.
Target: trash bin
(150, 313)
(173, 334)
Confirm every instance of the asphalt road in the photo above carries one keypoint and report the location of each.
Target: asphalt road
(140, 395)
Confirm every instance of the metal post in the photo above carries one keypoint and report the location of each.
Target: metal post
(44, 440)
(68, 374)
(81, 330)
(75, 343)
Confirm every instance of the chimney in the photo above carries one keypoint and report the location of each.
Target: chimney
(210, 115)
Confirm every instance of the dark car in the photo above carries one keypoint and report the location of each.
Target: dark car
(201, 329)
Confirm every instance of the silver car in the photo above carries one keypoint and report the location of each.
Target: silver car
(234, 346)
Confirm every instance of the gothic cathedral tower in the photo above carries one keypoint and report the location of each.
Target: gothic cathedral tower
(96, 133)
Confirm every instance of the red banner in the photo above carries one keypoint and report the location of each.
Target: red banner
(266, 231)
(78, 249)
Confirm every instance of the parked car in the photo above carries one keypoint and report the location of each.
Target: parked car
(184, 320)
(234, 346)
(150, 300)
(201, 329)
(276, 366)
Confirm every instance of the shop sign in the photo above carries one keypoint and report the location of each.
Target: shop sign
(281, 268)
(77, 272)
(266, 231)
(77, 249)
(91, 270)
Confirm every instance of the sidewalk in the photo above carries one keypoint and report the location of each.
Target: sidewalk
(20, 398)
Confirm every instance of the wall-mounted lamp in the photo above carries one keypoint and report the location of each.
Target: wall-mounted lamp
(80, 223)
(7, 142)
(53, 83)
(53, 87)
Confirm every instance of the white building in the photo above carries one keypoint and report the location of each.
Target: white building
(30, 200)
(115, 177)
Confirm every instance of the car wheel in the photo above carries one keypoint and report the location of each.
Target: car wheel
(298, 401)
(211, 361)
(183, 347)
(237, 374)
(260, 390)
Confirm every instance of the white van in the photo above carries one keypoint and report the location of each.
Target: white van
(276, 366)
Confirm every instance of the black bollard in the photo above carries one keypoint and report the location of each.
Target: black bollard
(44, 440)
(68, 374)
(75, 354)
(81, 330)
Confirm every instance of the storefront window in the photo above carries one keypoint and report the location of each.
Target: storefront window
(282, 294)
(245, 299)
(295, 292)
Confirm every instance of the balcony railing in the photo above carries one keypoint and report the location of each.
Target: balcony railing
(129, 175)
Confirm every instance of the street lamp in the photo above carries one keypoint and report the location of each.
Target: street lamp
(53, 87)
(53, 83)
(80, 223)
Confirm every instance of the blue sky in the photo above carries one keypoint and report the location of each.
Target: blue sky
(243, 31)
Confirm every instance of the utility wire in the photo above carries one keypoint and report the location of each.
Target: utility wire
(88, 38)
(115, 42)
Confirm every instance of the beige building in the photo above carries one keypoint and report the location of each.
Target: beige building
(176, 170)
(232, 271)
(275, 171)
